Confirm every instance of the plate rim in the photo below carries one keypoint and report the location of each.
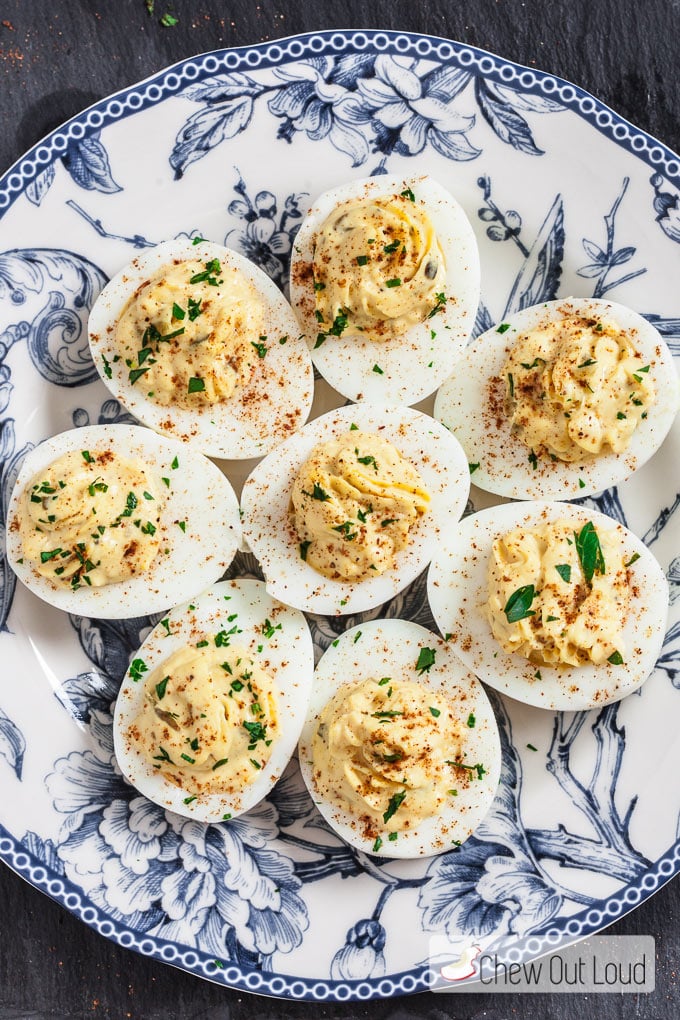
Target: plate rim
(13, 182)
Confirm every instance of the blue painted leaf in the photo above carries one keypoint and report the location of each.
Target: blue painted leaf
(87, 162)
(37, 189)
(85, 693)
(207, 128)
(669, 329)
(505, 121)
(483, 320)
(539, 277)
(227, 86)
(527, 101)
(10, 462)
(594, 251)
(590, 272)
(608, 502)
(52, 290)
(45, 850)
(622, 255)
(445, 83)
(669, 660)
(12, 744)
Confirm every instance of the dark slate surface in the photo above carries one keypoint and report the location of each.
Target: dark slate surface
(57, 57)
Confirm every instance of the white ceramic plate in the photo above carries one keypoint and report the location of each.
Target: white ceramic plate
(273, 902)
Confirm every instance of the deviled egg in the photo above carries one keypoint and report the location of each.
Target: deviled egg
(349, 511)
(562, 399)
(555, 604)
(114, 521)
(385, 282)
(199, 344)
(400, 749)
(212, 705)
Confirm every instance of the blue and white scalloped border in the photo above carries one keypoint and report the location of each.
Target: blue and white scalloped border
(589, 922)
(166, 83)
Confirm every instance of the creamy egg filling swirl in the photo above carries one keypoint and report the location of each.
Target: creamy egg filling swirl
(90, 518)
(209, 717)
(390, 753)
(576, 388)
(378, 268)
(559, 595)
(353, 503)
(192, 333)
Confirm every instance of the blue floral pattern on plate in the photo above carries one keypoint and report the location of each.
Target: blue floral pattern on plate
(577, 835)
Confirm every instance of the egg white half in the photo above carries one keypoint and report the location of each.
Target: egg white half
(198, 495)
(468, 400)
(275, 402)
(287, 656)
(391, 648)
(265, 503)
(405, 369)
(457, 591)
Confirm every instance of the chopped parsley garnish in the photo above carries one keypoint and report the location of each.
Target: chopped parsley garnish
(256, 731)
(194, 309)
(394, 282)
(395, 802)
(189, 799)
(46, 556)
(304, 546)
(337, 329)
(392, 836)
(177, 311)
(137, 668)
(161, 688)
(107, 367)
(531, 747)
(616, 659)
(219, 764)
(426, 659)
(511, 384)
(407, 193)
(589, 551)
(435, 712)
(588, 363)
(533, 460)
(175, 464)
(362, 260)
(390, 248)
(365, 460)
(389, 713)
(209, 274)
(187, 757)
(517, 606)
(564, 570)
(473, 467)
(260, 347)
(378, 843)
(318, 493)
(195, 385)
(479, 769)
(87, 456)
(634, 558)
(388, 520)
(503, 328)
(471, 721)
(269, 630)
(378, 370)
(439, 304)
(534, 364)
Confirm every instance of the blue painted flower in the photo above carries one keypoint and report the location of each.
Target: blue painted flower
(262, 239)
(667, 208)
(362, 955)
(318, 99)
(483, 891)
(408, 112)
